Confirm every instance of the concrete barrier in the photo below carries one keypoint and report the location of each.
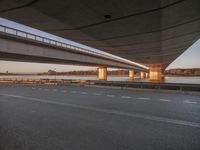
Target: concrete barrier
(151, 85)
(184, 88)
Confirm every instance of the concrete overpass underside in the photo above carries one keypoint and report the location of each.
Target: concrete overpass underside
(151, 32)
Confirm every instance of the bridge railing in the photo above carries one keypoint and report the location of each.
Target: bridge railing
(46, 40)
(23, 34)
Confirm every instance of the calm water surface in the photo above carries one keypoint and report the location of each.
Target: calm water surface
(189, 80)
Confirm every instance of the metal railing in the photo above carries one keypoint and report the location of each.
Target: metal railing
(26, 35)
(46, 40)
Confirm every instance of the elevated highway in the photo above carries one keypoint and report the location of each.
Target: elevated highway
(22, 46)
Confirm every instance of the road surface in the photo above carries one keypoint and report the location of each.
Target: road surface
(50, 117)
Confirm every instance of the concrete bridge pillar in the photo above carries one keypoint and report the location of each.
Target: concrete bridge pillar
(131, 74)
(102, 73)
(155, 73)
(147, 75)
(142, 75)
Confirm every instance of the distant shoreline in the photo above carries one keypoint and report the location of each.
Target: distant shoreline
(92, 75)
(190, 72)
(182, 75)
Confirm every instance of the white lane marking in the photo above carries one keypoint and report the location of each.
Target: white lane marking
(189, 102)
(33, 88)
(46, 89)
(109, 111)
(63, 91)
(125, 97)
(165, 100)
(144, 98)
(110, 95)
(97, 94)
(55, 90)
(73, 92)
(84, 93)
(40, 89)
(32, 111)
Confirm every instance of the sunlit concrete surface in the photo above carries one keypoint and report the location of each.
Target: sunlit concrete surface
(155, 73)
(142, 75)
(102, 73)
(147, 75)
(47, 117)
(131, 74)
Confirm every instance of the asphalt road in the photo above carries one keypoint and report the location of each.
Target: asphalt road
(47, 117)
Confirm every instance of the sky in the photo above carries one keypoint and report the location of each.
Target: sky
(189, 59)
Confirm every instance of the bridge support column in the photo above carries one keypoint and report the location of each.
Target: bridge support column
(131, 74)
(142, 75)
(146, 75)
(155, 73)
(102, 73)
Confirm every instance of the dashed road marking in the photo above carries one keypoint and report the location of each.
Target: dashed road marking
(110, 111)
(46, 89)
(84, 93)
(73, 92)
(144, 98)
(190, 102)
(63, 91)
(55, 90)
(125, 97)
(165, 100)
(97, 94)
(32, 111)
(110, 95)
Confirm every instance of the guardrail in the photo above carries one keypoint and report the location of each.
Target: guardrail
(46, 40)
(150, 85)
(26, 35)
(120, 84)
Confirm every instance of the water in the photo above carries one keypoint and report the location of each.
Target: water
(188, 80)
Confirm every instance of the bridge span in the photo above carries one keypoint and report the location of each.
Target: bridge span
(22, 46)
